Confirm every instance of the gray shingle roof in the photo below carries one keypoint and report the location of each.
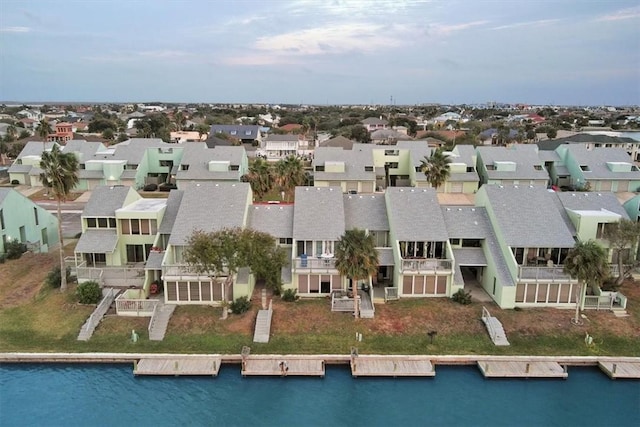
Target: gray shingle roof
(132, 150)
(415, 215)
(84, 150)
(171, 212)
(338, 142)
(596, 159)
(105, 200)
(34, 148)
(318, 213)
(592, 201)
(240, 131)
(97, 241)
(469, 256)
(154, 261)
(209, 207)
(374, 121)
(528, 217)
(418, 149)
(4, 192)
(355, 161)
(584, 138)
(366, 212)
(524, 156)
(197, 155)
(279, 138)
(276, 220)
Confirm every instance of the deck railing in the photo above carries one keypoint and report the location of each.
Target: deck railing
(135, 307)
(97, 315)
(427, 264)
(391, 293)
(544, 273)
(340, 301)
(606, 301)
(315, 263)
(485, 317)
(112, 276)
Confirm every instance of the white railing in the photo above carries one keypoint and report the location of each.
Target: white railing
(97, 315)
(391, 293)
(544, 273)
(340, 301)
(486, 316)
(602, 302)
(135, 307)
(112, 276)
(315, 263)
(426, 264)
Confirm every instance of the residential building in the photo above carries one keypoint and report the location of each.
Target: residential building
(247, 134)
(23, 220)
(63, 132)
(276, 147)
(25, 169)
(200, 163)
(351, 170)
(374, 123)
(632, 146)
(518, 164)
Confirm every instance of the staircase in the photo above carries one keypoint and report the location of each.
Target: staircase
(92, 322)
(263, 325)
(496, 331)
(160, 320)
(619, 312)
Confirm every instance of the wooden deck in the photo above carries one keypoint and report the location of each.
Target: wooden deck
(620, 369)
(283, 367)
(363, 366)
(209, 366)
(521, 369)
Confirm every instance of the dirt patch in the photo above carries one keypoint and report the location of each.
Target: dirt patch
(22, 278)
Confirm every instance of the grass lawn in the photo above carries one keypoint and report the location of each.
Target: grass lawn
(35, 318)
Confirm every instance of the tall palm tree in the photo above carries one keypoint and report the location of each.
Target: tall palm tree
(260, 177)
(436, 168)
(43, 130)
(587, 262)
(60, 176)
(356, 258)
(289, 173)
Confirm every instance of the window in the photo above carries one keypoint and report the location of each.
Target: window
(603, 229)
(112, 223)
(490, 167)
(585, 168)
(91, 223)
(235, 167)
(1, 220)
(537, 167)
(368, 168)
(393, 165)
(184, 167)
(131, 167)
(454, 242)
(286, 241)
(102, 222)
(470, 169)
(166, 163)
(247, 132)
(418, 168)
(35, 214)
(391, 152)
(471, 243)
(233, 132)
(135, 226)
(45, 236)
(320, 168)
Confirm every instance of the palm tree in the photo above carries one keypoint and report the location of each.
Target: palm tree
(179, 120)
(260, 177)
(356, 258)
(436, 168)
(289, 173)
(43, 130)
(12, 133)
(60, 176)
(587, 262)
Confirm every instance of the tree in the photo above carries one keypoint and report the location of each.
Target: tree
(260, 177)
(436, 168)
(202, 130)
(552, 133)
(43, 130)
(289, 173)
(587, 262)
(60, 176)
(357, 259)
(24, 134)
(12, 133)
(622, 236)
(179, 120)
(361, 134)
(224, 252)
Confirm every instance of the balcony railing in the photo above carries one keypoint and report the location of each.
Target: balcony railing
(180, 270)
(544, 273)
(315, 263)
(135, 307)
(112, 276)
(426, 265)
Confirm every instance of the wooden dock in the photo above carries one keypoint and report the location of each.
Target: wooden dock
(283, 367)
(364, 366)
(620, 369)
(521, 369)
(176, 366)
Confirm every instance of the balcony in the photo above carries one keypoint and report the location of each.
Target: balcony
(545, 274)
(316, 264)
(426, 265)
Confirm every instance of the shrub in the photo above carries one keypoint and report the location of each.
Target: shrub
(54, 278)
(89, 293)
(462, 297)
(289, 295)
(15, 249)
(15, 182)
(167, 187)
(240, 305)
(150, 187)
(3, 257)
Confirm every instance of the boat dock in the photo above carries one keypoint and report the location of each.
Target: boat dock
(391, 366)
(177, 366)
(361, 365)
(620, 369)
(521, 369)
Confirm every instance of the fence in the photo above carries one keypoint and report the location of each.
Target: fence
(391, 294)
(426, 264)
(135, 307)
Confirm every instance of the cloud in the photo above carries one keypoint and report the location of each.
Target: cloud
(15, 30)
(629, 13)
(351, 8)
(444, 30)
(146, 55)
(538, 23)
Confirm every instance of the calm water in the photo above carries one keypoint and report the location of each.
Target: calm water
(109, 395)
(633, 135)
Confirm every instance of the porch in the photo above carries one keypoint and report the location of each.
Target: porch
(133, 303)
(342, 301)
(131, 275)
(426, 266)
(546, 273)
(316, 265)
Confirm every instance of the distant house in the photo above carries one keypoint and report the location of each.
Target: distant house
(247, 134)
(30, 114)
(374, 123)
(63, 132)
(291, 128)
(388, 136)
(25, 169)
(186, 136)
(631, 145)
(339, 141)
(24, 221)
(200, 163)
(277, 147)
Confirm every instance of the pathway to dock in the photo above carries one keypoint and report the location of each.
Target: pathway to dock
(282, 366)
(96, 317)
(521, 369)
(495, 329)
(178, 366)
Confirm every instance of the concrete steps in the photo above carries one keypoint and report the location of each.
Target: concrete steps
(160, 320)
(263, 325)
(96, 317)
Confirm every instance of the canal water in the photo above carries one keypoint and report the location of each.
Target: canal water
(109, 395)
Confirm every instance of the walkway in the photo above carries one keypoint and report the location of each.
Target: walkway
(386, 366)
(263, 325)
(160, 320)
(282, 366)
(521, 369)
(496, 331)
(367, 310)
(96, 317)
(178, 366)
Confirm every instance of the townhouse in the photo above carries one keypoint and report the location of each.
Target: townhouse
(513, 165)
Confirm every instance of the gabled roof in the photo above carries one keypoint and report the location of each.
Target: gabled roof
(388, 134)
(214, 141)
(415, 215)
(592, 201)
(282, 138)
(418, 149)
(366, 212)
(585, 138)
(132, 151)
(171, 212)
(339, 141)
(374, 121)
(238, 131)
(524, 156)
(105, 200)
(84, 150)
(354, 160)
(210, 206)
(528, 216)
(35, 148)
(198, 156)
(318, 213)
(597, 158)
(276, 220)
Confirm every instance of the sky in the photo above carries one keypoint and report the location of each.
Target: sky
(405, 52)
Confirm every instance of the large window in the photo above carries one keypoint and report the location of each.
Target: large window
(137, 253)
(101, 222)
(139, 226)
(603, 229)
(422, 250)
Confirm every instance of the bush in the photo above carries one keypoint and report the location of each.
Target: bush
(3, 257)
(15, 182)
(15, 249)
(89, 293)
(167, 187)
(240, 305)
(150, 187)
(54, 278)
(462, 297)
(289, 295)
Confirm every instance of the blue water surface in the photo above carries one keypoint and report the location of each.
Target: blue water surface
(109, 395)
